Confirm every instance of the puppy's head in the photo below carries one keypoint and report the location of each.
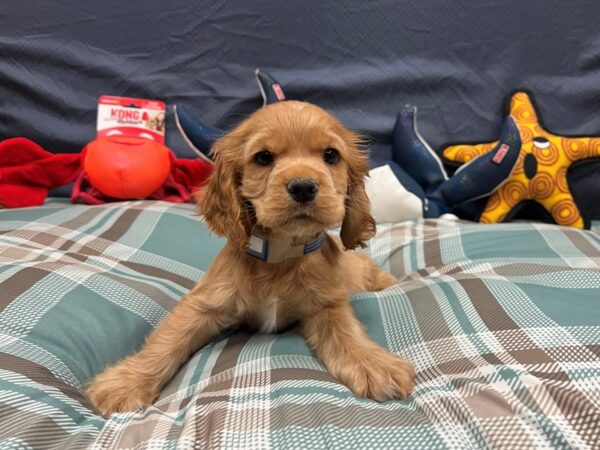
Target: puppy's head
(290, 168)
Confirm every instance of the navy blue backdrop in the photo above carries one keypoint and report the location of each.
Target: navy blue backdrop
(456, 60)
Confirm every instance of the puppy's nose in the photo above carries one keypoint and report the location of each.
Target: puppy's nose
(302, 190)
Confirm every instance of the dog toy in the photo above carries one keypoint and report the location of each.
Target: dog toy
(541, 170)
(270, 89)
(414, 184)
(415, 177)
(28, 172)
(135, 168)
(200, 137)
(197, 135)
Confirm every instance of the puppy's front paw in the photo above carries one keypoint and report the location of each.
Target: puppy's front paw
(379, 375)
(383, 280)
(120, 389)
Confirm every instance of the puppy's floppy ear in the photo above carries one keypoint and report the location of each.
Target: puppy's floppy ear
(219, 200)
(358, 225)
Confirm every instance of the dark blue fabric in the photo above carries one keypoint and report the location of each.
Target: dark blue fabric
(200, 135)
(270, 89)
(420, 171)
(484, 174)
(362, 60)
(413, 153)
(584, 181)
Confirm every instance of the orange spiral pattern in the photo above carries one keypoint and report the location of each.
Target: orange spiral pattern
(565, 212)
(546, 156)
(575, 149)
(519, 168)
(513, 192)
(465, 153)
(538, 131)
(524, 114)
(542, 186)
(549, 186)
(526, 135)
(520, 97)
(493, 203)
(561, 180)
(594, 148)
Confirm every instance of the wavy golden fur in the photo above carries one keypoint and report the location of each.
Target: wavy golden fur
(244, 194)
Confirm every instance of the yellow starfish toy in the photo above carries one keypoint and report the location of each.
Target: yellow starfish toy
(540, 173)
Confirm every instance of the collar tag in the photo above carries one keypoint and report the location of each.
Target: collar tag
(273, 251)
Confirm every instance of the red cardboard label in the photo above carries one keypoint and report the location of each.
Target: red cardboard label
(131, 117)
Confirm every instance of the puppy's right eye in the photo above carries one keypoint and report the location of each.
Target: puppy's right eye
(264, 158)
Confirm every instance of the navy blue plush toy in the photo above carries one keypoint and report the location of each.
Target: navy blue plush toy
(414, 183)
(200, 137)
(419, 170)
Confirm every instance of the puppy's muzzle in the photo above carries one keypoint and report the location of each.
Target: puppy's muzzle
(302, 190)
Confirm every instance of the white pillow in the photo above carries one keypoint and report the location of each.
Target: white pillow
(390, 201)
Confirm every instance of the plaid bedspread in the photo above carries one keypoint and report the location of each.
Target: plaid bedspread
(501, 321)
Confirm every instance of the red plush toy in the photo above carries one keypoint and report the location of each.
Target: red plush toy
(109, 168)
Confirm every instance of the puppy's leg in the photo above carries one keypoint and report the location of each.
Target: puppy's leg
(378, 279)
(137, 380)
(343, 346)
(362, 274)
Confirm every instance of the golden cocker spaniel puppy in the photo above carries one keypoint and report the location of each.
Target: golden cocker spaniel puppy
(282, 178)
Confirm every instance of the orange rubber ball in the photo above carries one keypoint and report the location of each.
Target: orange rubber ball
(126, 167)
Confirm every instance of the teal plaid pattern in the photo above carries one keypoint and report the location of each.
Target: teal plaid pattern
(501, 321)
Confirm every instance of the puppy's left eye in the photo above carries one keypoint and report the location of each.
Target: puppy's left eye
(331, 156)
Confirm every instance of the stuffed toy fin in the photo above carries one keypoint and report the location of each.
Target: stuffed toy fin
(196, 134)
(413, 153)
(541, 171)
(486, 173)
(201, 137)
(270, 89)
